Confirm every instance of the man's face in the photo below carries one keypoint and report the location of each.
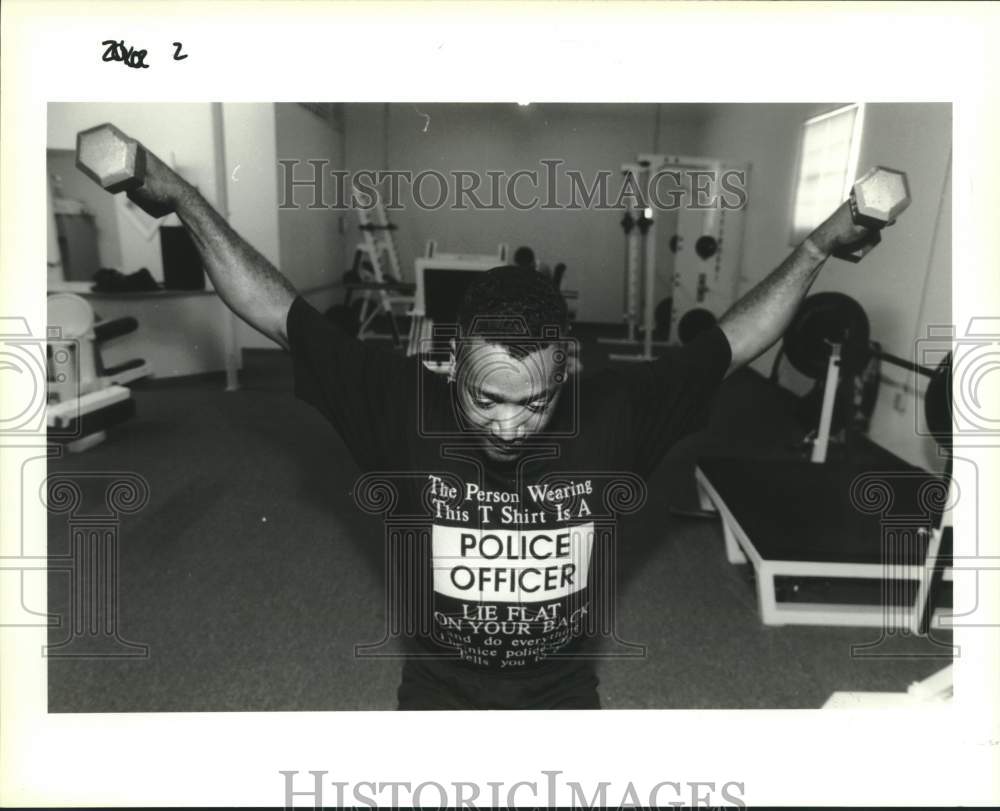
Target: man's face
(506, 398)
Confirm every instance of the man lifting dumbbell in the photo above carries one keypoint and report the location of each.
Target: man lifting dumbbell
(510, 472)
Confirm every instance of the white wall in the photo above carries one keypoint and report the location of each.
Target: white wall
(918, 286)
(312, 245)
(917, 139)
(890, 282)
(480, 137)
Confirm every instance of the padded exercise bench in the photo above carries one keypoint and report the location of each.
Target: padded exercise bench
(85, 396)
(829, 544)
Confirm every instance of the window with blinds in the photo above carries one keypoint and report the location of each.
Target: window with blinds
(828, 164)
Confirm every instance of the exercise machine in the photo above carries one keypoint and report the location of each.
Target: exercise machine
(829, 342)
(85, 396)
(701, 275)
(630, 224)
(706, 244)
(842, 542)
(640, 273)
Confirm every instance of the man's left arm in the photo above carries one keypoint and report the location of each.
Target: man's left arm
(761, 316)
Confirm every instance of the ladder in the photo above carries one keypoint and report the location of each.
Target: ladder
(381, 282)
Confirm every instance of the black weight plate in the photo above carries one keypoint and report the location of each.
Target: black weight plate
(693, 323)
(824, 318)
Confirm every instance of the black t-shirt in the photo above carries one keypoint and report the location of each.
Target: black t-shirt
(500, 568)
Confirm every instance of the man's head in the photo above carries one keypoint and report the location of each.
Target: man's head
(510, 363)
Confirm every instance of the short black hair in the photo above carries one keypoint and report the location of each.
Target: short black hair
(513, 306)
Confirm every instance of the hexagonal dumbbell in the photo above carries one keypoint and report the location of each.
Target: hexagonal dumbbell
(877, 198)
(114, 161)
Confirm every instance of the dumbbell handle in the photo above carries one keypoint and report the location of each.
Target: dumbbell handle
(853, 240)
(876, 199)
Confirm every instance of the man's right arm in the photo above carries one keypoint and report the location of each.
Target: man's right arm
(248, 284)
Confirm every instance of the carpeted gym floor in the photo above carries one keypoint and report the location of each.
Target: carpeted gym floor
(251, 575)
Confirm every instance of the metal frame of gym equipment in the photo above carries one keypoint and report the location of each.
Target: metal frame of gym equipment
(821, 443)
(648, 164)
(639, 233)
(741, 549)
(717, 297)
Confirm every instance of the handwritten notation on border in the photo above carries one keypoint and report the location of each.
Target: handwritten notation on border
(115, 50)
